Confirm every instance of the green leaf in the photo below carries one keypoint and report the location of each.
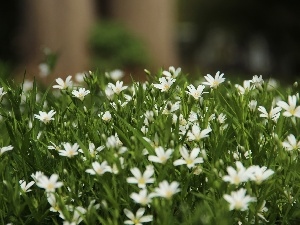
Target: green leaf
(137, 134)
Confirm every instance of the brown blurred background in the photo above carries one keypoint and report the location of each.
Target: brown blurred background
(63, 37)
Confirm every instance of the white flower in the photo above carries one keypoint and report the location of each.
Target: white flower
(272, 84)
(109, 93)
(144, 129)
(63, 84)
(193, 117)
(245, 88)
(214, 82)
(53, 146)
(121, 150)
(238, 200)
(69, 150)
(37, 175)
(221, 118)
(149, 115)
(52, 201)
(165, 84)
(190, 159)
(118, 104)
(155, 142)
(44, 69)
(45, 117)
(27, 85)
(161, 155)
(172, 73)
(182, 121)
(69, 223)
(5, 149)
(79, 77)
(115, 74)
(291, 109)
(49, 184)
(247, 154)
(99, 169)
(93, 205)
(77, 212)
(212, 117)
(288, 192)
(262, 210)
(291, 143)
(93, 150)
(273, 114)
(183, 129)
(118, 87)
(196, 134)
(128, 99)
(252, 105)
(106, 116)
(26, 187)
(81, 93)
(170, 108)
(138, 218)
(113, 141)
(237, 176)
(196, 93)
(259, 174)
(257, 81)
(141, 179)
(142, 197)
(2, 92)
(166, 190)
(115, 168)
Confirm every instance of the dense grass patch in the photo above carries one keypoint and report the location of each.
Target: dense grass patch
(161, 152)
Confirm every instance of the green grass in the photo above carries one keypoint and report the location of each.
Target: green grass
(145, 120)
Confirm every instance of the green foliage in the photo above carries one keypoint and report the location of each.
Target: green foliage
(144, 119)
(113, 46)
(5, 69)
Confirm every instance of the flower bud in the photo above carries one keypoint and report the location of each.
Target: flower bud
(295, 85)
(147, 71)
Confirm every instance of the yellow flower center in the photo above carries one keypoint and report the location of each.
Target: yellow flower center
(169, 194)
(238, 204)
(46, 119)
(142, 180)
(292, 111)
(50, 186)
(136, 221)
(163, 158)
(99, 171)
(196, 95)
(215, 83)
(56, 207)
(166, 87)
(236, 180)
(189, 161)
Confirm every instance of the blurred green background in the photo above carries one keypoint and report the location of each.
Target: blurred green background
(236, 37)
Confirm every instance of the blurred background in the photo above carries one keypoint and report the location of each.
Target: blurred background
(61, 38)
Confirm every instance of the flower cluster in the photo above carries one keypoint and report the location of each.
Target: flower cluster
(241, 174)
(155, 152)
